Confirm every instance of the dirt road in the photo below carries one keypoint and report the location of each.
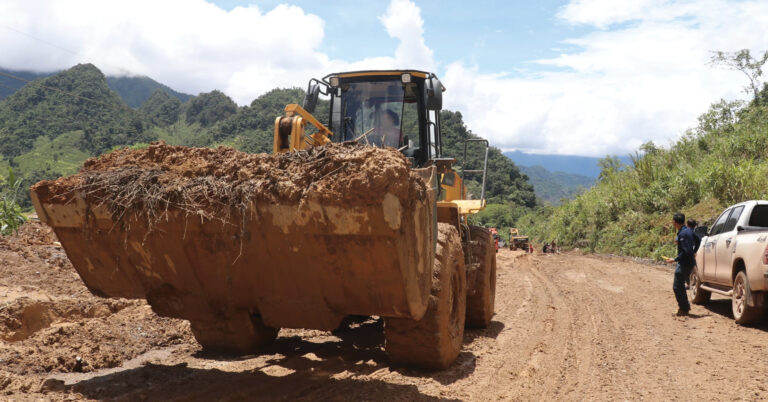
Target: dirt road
(567, 327)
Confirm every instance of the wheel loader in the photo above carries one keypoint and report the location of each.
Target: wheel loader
(416, 263)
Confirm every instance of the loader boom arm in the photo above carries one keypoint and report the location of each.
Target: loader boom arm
(289, 130)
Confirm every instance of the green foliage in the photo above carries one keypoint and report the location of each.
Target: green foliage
(160, 109)
(722, 161)
(209, 108)
(11, 216)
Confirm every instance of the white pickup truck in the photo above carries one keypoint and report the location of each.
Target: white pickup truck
(733, 261)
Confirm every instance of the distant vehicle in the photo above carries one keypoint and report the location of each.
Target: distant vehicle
(733, 261)
(516, 241)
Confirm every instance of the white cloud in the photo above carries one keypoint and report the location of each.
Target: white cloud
(645, 80)
(403, 22)
(640, 75)
(191, 45)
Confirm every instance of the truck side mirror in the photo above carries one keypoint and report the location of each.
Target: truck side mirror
(433, 93)
(701, 230)
(310, 98)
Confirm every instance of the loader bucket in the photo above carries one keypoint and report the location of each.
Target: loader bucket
(300, 261)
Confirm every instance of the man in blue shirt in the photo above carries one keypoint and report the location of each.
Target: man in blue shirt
(685, 261)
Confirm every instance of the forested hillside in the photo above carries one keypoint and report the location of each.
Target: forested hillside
(554, 187)
(50, 126)
(135, 90)
(723, 160)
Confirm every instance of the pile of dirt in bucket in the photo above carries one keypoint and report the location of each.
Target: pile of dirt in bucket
(201, 181)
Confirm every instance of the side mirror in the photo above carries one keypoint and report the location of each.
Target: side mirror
(701, 230)
(310, 98)
(433, 93)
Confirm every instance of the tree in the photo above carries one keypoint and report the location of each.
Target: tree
(161, 109)
(743, 61)
(209, 108)
(608, 166)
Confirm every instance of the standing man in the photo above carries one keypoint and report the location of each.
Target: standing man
(685, 261)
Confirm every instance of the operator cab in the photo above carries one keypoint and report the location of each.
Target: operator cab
(398, 109)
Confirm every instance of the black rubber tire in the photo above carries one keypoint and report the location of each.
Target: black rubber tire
(743, 313)
(481, 284)
(698, 295)
(435, 341)
(242, 333)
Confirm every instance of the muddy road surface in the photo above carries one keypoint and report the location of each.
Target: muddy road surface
(567, 327)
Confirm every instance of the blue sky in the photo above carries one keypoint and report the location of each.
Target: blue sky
(576, 77)
(497, 36)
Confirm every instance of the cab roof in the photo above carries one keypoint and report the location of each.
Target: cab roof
(378, 73)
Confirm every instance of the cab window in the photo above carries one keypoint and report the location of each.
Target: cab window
(759, 217)
(730, 224)
(718, 226)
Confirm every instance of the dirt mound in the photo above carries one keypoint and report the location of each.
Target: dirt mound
(201, 180)
(48, 319)
(31, 234)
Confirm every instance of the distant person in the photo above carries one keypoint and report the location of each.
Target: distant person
(685, 262)
(692, 224)
(554, 247)
(530, 248)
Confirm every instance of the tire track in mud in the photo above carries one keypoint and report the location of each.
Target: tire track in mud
(567, 327)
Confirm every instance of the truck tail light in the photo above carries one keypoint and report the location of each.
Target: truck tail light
(765, 255)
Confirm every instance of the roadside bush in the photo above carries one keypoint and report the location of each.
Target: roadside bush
(722, 161)
(11, 216)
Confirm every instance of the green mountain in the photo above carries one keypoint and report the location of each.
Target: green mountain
(51, 125)
(574, 164)
(135, 90)
(553, 187)
(722, 161)
(8, 85)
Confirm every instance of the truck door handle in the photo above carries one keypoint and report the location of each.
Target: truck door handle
(727, 243)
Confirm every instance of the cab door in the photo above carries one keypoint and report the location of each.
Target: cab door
(725, 246)
(708, 246)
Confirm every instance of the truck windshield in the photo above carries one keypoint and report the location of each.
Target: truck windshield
(759, 217)
(381, 113)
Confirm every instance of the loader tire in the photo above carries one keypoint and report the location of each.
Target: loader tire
(481, 284)
(435, 341)
(243, 333)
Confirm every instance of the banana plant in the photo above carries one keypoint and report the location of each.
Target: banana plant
(11, 217)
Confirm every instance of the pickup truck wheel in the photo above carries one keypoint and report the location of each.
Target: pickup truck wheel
(698, 295)
(435, 341)
(743, 313)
